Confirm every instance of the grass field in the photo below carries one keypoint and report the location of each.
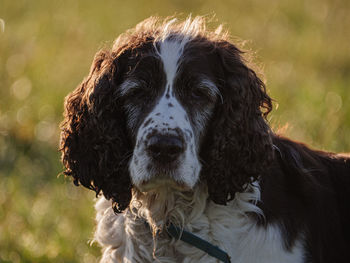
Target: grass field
(46, 48)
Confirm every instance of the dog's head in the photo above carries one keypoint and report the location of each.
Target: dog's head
(170, 104)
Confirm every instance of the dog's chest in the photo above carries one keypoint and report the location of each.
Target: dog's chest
(240, 237)
(233, 232)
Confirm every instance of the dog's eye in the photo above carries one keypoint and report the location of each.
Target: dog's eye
(135, 91)
(197, 93)
(202, 94)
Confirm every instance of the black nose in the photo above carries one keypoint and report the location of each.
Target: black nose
(165, 148)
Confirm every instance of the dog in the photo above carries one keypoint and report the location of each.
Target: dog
(169, 129)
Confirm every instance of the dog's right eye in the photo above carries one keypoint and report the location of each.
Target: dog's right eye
(132, 88)
(132, 91)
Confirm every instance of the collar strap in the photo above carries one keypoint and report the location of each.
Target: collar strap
(198, 242)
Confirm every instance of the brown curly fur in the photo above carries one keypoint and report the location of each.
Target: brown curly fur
(238, 145)
(94, 142)
(96, 145)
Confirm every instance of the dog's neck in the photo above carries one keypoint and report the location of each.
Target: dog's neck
(190, 210)
(165, 205)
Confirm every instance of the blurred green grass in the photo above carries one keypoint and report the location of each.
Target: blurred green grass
(46, 49)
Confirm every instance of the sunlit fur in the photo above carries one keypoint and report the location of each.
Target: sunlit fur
(257, 195)
(228, 227)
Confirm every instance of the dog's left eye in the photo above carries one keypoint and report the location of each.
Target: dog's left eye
(197, 93)
(201, 94)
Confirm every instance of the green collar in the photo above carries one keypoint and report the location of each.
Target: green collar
(198, 242)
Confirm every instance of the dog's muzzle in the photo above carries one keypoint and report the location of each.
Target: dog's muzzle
(165, 149)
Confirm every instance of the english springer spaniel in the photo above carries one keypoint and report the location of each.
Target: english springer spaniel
(169, 129)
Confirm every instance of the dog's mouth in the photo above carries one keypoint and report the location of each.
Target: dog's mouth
(162, 181)
(164, 161)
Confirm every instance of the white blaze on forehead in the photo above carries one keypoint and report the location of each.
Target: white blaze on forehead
(167, 117)
(170, 53)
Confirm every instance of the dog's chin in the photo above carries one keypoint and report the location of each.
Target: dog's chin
(162, 181)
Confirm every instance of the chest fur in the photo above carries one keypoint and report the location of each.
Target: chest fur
(128, 239)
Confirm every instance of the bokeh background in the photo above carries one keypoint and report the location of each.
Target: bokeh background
(46, 48)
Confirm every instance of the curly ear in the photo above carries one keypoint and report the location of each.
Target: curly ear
(94, 144)
(238, 143)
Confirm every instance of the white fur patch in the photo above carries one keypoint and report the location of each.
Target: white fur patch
(127, 239)
(167, 117)
(170, 53)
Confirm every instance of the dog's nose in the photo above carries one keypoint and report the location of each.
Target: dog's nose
(165, 148)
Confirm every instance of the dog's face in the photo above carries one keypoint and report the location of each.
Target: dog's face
(170, 104)
(169, 95)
